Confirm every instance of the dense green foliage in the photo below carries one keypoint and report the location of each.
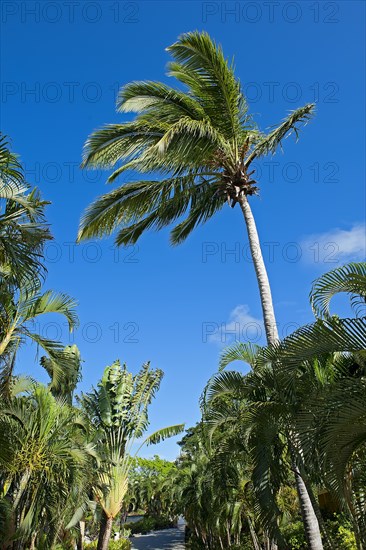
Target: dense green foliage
(278, 458)
(145, 525)
(64, 465)
(299, 411)
(122, 544)
(150, 490)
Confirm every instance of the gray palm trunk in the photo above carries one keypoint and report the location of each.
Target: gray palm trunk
(310, 521)
(269, 318)
(105, 532)
(311, 524)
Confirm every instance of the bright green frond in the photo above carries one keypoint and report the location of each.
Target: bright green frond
(139, 97)
(350, 278)
(246, 352)
(212, 81)
(164, 433)
(270, 143)
(51, 302)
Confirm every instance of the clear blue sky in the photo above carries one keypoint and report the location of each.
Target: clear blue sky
(62, 63)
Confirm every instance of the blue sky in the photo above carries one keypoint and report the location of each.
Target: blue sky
(62, 64)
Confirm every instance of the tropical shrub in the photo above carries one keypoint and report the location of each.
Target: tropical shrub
(341, 529)
(148, 524)
(295, 536)
(122, 544)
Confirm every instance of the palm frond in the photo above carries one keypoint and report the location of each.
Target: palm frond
(140, 97)
(270, 142)
(317, 339)
(164, 433)
(350, 278)
(50, 302)
(212, 80)
(11, 171)
(246, 352)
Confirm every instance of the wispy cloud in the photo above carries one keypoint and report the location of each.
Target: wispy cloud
(241, 325)
(336, 246)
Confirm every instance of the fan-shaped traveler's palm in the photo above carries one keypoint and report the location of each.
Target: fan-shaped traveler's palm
(197, 146)
(118, 411)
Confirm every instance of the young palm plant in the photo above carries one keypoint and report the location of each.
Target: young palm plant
(332, 420)
(18, 312)
(200, 142)
(118, 412)
(270, 401)
(43, 456)
(23, 231)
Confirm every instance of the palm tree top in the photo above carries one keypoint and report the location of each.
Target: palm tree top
(197, 142)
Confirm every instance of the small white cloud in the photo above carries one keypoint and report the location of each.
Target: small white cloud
(336, 246)
(241, 325)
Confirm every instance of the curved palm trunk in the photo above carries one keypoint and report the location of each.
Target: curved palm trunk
(105, 532)
(261, 272)
(310, 521)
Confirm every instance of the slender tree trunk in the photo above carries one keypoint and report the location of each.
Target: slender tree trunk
(104, 532)
(310, 521)
(22, 486)
(253, 535)
(261, 272)
(314, 501)
(33, 541)
(80, 541)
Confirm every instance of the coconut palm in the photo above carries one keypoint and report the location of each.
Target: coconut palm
(198, 145)
(118, 412)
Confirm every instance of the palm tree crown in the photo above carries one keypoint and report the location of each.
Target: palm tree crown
(201, 142)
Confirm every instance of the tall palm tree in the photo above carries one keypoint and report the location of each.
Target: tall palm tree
(118, 411)
(200, 142)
